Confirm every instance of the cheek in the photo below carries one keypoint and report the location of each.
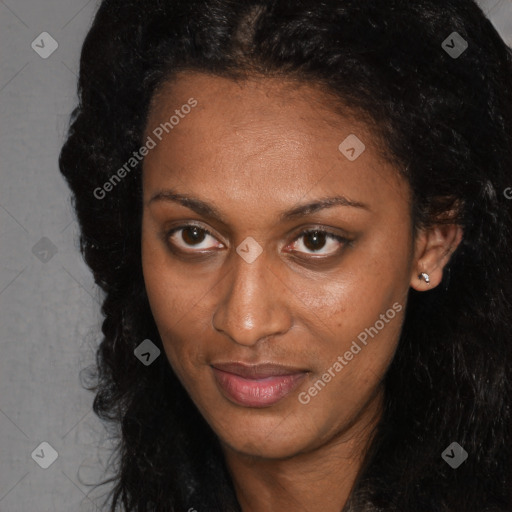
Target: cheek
(182, 302)
(370, 278)
(357, 335)
(167, 296)
(357, 315)
(176, 297)
(361, 324)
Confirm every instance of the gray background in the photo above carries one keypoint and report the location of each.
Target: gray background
(49, 305)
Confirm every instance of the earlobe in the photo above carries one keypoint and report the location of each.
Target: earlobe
(434, 247)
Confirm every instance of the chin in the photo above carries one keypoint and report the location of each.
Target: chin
(260, 434)
(261, 446)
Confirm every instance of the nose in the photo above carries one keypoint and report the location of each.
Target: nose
(254, 304)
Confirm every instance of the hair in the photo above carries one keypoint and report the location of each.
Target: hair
(447, 127)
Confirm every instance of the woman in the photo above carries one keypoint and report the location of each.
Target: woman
(298, 213)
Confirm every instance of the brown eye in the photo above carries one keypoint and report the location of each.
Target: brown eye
(313, 241)
(192, 237)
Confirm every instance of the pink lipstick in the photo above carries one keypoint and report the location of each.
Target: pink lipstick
(260, 385)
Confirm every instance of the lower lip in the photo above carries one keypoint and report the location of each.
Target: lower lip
(256, 392)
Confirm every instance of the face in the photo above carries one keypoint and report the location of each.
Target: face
(276, 266)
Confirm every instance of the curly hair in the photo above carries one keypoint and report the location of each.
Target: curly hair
(447, 125)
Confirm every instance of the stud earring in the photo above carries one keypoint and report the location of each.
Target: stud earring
(425, 276)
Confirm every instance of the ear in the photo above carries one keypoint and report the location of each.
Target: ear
(433, 249)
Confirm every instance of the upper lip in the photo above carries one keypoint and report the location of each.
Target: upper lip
(258, 371)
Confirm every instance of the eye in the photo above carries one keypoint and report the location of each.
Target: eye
(315, 240)
(192, 236)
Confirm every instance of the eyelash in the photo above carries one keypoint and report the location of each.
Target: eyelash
(342, 240)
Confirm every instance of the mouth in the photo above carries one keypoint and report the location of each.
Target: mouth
(256, 386)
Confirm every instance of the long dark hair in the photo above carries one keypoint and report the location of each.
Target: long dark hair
(445, 121)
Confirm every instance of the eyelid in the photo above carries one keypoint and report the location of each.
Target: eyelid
(168, 233)
(191, 224)
(340, 238)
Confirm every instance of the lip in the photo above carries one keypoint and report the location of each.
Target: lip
(260, 385)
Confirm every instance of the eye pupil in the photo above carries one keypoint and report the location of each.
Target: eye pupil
(192, 235)
(317, 238)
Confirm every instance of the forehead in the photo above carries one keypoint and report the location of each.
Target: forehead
(255, 137)
(254, 109)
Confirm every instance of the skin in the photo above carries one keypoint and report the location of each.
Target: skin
(253, 149)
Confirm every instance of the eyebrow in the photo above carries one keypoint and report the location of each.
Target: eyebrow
(208, 210)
